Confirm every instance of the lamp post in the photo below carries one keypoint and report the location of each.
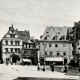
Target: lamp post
(44, 56)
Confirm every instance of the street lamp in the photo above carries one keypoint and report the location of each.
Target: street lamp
(44, 56)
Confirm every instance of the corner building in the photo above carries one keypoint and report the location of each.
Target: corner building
(56, 45)
(12, 43)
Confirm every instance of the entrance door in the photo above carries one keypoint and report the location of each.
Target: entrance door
(65, 60)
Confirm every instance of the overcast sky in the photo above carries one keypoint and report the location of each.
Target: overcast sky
(35, 15)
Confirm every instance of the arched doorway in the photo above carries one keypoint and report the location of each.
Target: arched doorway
(15, 58)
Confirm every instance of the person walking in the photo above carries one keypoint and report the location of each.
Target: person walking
(65, 68)
(62, 68)
(52, 67)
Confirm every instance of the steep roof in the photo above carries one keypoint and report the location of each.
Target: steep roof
(56, 33)
(24, 35)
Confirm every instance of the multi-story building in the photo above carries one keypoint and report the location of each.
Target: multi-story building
(12, 43)
(30, 51)
(76, 42)
(56, 44)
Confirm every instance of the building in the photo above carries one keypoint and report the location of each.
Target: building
(0, 53)
(56, 45)
(76, 43)
(30, 51)
(12, 43)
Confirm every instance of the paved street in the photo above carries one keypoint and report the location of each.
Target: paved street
(74, 72)
(11, 72)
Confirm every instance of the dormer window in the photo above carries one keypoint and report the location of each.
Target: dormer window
(55, 37)
(62, 37)
(45, 38)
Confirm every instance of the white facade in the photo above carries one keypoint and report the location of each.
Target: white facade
(63, 49)
(56, 43)
(11, 43)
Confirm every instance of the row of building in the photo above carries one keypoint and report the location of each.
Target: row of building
(18, 43)
(57, 44)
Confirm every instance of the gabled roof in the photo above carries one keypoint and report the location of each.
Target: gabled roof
(24, 35)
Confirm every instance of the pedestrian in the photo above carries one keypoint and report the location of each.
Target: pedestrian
(52, 67)
(66, 68)
(62, 68)
(38, 66)
(6, 61)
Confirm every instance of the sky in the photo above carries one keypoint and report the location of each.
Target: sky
(36, 15)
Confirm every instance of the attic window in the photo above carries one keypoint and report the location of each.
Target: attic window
(62, 37)
(55, 37)
(45, 38)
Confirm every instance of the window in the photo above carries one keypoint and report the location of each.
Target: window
(49, 44)
(13, 35)
(19, 50)
(16, 50)
(6, 49)
(79, 48)
(58, 53)
(27, 51)
(50, 52)
(11, 49)
(17, 42)
(29, 46)
(10, 35)
(24, 45)
(64, 53)
(56, 45)
(63, 37)
(45, 38)
(11, 42)
(12, 31)
(6, 42)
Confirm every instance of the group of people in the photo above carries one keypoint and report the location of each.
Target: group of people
(52, 66)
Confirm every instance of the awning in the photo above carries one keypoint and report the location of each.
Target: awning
(26, 60)
(59, 59)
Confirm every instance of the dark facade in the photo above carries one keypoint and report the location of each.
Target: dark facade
(0, 53)
(30, 51)
(76, 42)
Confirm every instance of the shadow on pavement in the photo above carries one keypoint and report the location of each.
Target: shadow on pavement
(35, 78)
